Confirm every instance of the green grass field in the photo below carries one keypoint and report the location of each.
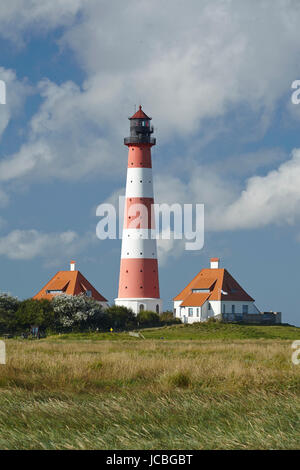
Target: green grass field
(208, 386)
(198, 331)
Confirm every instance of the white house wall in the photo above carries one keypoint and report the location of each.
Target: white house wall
(204, 313)
(239, 307)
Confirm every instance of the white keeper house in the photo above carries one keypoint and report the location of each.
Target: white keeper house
(214, 293)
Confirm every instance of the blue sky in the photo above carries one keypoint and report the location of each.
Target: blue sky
(216, 78)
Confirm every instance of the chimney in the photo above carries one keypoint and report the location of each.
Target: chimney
(72, 265)
(214, 263)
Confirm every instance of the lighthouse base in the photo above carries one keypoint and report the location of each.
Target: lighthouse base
(139, 305)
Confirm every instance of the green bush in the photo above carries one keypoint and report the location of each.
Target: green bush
(121, 318)
(146, 318)
(34, 313)
(8, 307)
(168, 318)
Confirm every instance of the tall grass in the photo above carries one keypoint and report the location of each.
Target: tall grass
(149, 394)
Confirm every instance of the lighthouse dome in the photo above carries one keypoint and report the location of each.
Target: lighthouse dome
(140, 115)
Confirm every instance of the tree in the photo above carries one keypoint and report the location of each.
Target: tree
(78, 312)
(35, 313)
(8, 307)
(121, 318)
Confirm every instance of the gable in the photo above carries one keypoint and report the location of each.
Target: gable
(70, 283)
(221, 284)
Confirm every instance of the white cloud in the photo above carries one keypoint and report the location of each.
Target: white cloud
(30, 244)
(167, 248)
(198, 62)
(18, 15)
(265, 200)
(190, 62)
(270, 199)
(64, 142)
(16, 93)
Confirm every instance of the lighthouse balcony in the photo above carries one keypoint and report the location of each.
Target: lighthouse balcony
(140, 139)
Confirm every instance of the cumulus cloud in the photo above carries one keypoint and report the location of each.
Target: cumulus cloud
(16, 93)
(270, 199)
(18, 15)
(30, 244)
(64, 141)
(273, 198)
(167, 248)
(195, 64)
(188, 67)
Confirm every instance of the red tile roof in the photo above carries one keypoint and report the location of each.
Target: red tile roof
(140, 114)
(221, 282)
(71, 283)
(195, 299)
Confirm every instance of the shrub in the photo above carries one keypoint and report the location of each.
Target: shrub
(34, 313)
(8, 307)
(147, 318)
(168, 318)
(213, 320)
(78, 313)
(121, 318)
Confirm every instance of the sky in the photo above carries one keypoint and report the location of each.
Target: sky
(215, 75)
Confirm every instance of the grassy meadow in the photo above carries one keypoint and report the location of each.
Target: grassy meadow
(207, 386)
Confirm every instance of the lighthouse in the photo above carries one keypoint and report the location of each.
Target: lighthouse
(138, 282)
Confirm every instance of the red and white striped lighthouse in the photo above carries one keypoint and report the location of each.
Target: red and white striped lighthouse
(138, 284)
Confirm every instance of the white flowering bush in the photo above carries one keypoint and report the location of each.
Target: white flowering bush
(78, 312)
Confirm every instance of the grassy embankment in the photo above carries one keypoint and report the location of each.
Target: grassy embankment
(231, 387)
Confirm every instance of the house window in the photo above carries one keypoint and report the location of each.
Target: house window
(209, 306)
(233, 309)
(245, 308)
(197, 291)
(190, 312)
(142, 308)
(198, 311)
(223, 308)
(157, 308)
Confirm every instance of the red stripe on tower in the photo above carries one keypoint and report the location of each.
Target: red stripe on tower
(138, 283)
